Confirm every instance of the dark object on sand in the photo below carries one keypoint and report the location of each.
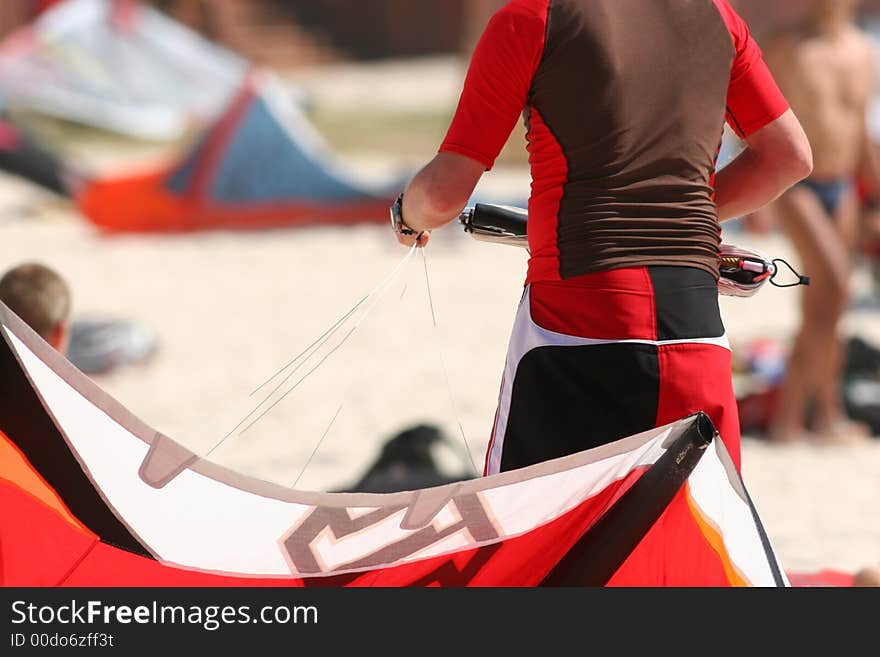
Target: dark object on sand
(100, 345)
(862, 359)
(861, 400)
(407, 462)
(861, 383)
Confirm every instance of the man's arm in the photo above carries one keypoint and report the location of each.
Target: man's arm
(777, 157)
(438, 193)
(495, 92)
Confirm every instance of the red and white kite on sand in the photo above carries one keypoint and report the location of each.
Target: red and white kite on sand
(91, 496)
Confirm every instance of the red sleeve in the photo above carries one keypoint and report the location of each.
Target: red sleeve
(753, 98)
(497, 84)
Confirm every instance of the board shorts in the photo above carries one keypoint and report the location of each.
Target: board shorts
(610, 354)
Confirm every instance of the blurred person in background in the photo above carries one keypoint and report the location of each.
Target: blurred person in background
(41, 298)
(825, 68)
(619, 329)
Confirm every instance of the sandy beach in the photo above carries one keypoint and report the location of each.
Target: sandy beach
(231, 308)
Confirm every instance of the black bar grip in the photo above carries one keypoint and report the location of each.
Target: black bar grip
(502, 219)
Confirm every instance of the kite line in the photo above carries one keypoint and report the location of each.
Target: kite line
(365, 304)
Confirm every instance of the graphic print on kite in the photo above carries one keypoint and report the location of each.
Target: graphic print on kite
(92, 496)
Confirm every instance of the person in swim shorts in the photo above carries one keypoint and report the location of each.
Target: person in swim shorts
(825, 67)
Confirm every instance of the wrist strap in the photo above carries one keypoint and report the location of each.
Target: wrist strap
(397, 223)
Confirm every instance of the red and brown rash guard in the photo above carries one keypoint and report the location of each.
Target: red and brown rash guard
(625, 101)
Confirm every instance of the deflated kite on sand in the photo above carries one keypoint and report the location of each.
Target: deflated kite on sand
(260, 165)
(91, 496)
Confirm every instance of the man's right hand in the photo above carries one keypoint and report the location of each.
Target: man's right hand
(421, 240)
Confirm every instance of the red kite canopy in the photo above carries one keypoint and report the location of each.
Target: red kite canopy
(91, 496)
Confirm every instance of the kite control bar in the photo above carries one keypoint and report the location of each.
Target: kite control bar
(742, 272)
(496, 223)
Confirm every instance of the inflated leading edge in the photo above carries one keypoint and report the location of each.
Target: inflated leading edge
(92, 496)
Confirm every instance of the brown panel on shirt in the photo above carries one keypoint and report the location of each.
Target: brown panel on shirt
(634, 92)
